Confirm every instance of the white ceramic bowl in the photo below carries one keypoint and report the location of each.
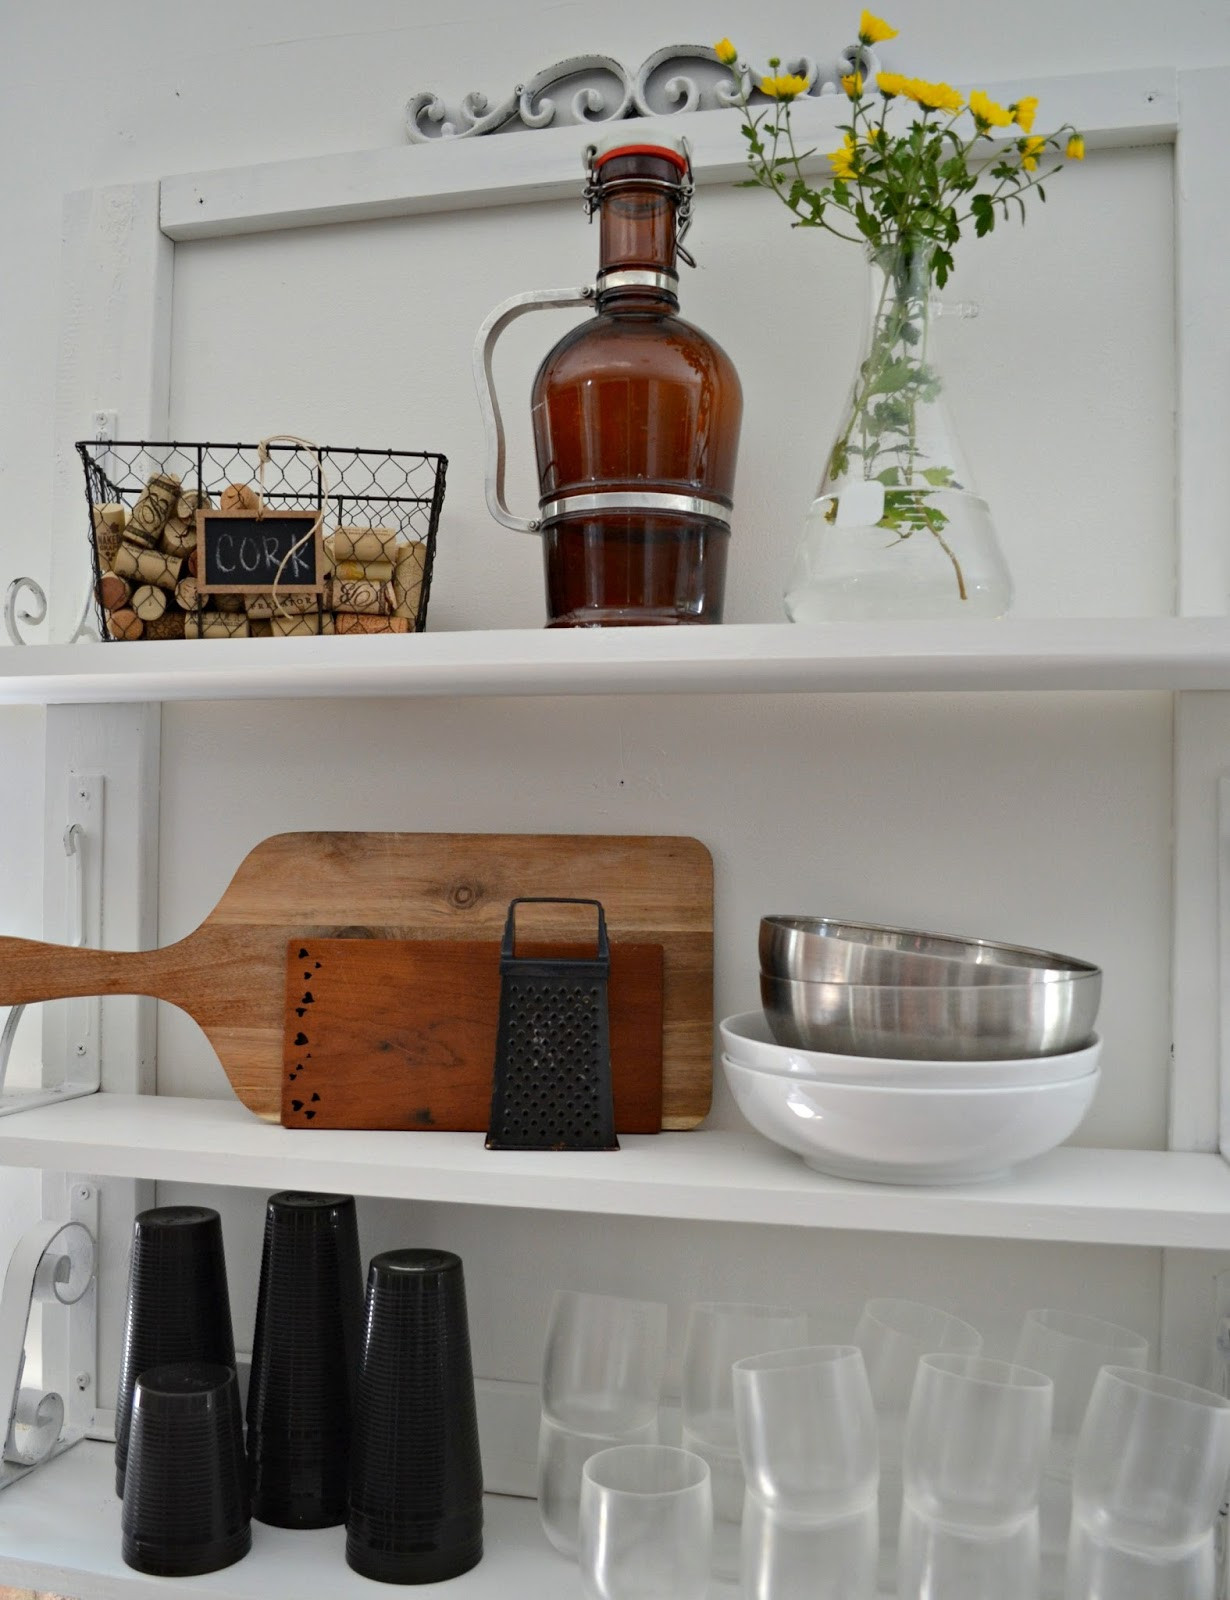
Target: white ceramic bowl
(748, 1041)
(891, 1135)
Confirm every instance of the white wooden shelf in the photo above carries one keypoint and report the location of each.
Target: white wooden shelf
(1044, 653)
(1141, 1197)
(60, 1532)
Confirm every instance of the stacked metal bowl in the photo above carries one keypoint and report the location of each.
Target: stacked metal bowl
(905, 1056)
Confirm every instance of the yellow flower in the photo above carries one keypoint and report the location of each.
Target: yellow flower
(1031, 149)
(1024, 112)
(935, 96)
(1076, 148)
(852, 83)
(874, 30)
(726, 52)
(988, 113)
(783, 87)
(843, 160)
(891, 83)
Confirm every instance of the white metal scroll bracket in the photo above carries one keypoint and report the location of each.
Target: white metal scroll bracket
(53, 1265)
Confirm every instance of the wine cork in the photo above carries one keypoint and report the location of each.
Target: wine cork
(215, 625)
(260, 627)
(296, 603)
(154, 505)
(351, 622)
(113, 591)
(124, 624)
(149, 602)
(290, 627)
(147, 566)
(239, 497)
(229, 602)
(178, 535)
(171, 625)
(190, 502)
(370, 599)
(258, 605)
(113, 514)
(192, 563)
(364, 544)
(364, 571)
(107, 531)
(187, 596)
(408, 579)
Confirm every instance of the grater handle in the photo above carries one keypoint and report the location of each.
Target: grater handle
(508, 946)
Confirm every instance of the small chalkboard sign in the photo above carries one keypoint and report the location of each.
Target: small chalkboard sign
(241, 553)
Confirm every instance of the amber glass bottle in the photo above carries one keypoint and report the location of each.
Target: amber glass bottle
(636, 419)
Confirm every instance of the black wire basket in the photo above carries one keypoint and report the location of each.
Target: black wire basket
(394, 496)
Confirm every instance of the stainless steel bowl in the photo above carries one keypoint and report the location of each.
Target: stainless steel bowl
(828, 950)
(933, 1022)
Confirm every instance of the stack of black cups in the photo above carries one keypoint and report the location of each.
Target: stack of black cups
(358, 1412)
(178, 1433)
(304, 1359)
(416, 1480)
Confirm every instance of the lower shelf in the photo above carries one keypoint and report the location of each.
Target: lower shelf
(60, 1532)
(1136, 1197)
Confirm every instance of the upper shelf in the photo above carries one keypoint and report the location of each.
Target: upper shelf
(1025, 653)
(1137, 1197)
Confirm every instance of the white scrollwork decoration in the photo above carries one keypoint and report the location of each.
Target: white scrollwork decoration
(37, 614)
(675, 80)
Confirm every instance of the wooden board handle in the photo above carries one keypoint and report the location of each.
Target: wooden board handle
(31, 970)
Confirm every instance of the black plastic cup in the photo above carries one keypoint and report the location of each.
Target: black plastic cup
(416, 1478)
(304, 1361)
(178, 1305)
(185, 1490)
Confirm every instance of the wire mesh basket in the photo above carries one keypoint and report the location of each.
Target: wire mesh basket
(381, 510)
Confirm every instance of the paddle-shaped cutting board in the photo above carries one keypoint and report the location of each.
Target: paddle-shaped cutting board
(230, 974)
(401, 1033)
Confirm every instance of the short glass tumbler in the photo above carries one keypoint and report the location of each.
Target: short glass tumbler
(304, 1360)
(808, 1445)
(645, 1525)
(1151, 1467)
(602, 1369)
(975, 1446)
(719, 1334)
(1071, 1349)
(178, 1307)
(185, 1489)
(416, 1480)
(894, 1335)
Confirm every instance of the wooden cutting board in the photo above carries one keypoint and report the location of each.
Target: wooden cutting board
(229, 975)
(399, 1033)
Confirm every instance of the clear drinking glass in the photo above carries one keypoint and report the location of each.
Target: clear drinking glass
(646, 1524)
(601, 1383)
(807, 1442)
(894, 1335)
(1071, 1349)
(719, 1334)
(1150, 1471)
(975, 1446)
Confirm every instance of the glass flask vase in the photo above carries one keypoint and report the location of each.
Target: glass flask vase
(896, 528)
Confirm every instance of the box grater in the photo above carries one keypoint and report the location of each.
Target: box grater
(552, 1081)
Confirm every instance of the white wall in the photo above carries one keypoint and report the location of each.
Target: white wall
(891, 807)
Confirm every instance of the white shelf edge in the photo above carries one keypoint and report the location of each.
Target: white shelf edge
(1117, 653)
(1113, 109)
(1133, 1197)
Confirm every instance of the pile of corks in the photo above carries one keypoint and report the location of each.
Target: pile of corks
(147, 559)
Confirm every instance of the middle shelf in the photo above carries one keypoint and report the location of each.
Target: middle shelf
(1138, 1197)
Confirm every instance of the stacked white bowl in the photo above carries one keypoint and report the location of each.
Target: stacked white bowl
(897, 1056)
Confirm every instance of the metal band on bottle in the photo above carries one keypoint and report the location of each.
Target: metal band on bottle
(638, 278)
(687, 505)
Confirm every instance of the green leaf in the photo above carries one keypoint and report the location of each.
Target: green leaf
(938, 477)
(890, 477)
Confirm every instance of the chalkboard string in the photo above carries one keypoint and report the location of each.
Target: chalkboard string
(262, 456)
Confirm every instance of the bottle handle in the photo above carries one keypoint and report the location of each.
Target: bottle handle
(493, 426)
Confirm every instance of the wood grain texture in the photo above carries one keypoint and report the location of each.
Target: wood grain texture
(394, 1033)
(230, 973)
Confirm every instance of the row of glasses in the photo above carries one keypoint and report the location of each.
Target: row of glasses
(789, 1438)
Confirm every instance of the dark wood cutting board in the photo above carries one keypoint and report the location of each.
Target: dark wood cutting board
(401, 1033)
(229, 975)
